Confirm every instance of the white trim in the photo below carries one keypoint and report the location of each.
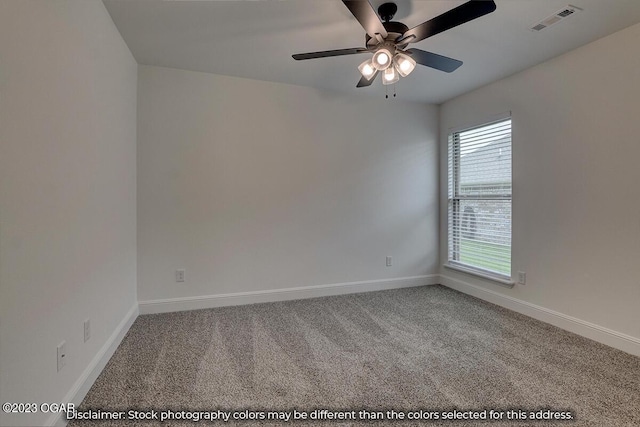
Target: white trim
(603, 335)
(90, 374)
(502, 280)
(241, 298)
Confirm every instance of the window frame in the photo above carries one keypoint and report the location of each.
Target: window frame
(453, 196)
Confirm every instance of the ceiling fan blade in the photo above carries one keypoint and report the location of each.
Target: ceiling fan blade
(366, 16)
(456, 16)
(433, 60)
(364, 82)
(327, 53)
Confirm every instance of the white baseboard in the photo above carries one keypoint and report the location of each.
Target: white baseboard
(589, 330)
(90, 374)
(241, 298)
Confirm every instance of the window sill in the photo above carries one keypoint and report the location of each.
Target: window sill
(501, 280)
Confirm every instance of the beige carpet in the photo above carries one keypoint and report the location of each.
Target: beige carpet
(427, 349)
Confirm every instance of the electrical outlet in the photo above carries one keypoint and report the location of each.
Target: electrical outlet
(522, 278)
(180, 274)
(62, 355)
(87, 330)
(389, 261)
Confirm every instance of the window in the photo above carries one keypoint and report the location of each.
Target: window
(479, 229)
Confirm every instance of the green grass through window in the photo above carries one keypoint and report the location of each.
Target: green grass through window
(475, 253)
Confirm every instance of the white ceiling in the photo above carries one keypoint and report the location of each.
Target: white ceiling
(255, 39)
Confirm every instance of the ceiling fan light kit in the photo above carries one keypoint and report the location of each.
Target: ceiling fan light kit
(388, 40)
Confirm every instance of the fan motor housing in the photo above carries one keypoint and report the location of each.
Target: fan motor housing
(394, 31)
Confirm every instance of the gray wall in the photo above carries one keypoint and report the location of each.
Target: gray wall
(67, 193)
(576, 210)
(254, 186)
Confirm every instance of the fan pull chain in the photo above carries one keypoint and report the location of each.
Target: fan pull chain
(386, 91)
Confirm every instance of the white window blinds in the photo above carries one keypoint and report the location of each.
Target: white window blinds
(479, 229)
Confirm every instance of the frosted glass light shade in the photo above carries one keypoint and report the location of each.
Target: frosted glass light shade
(382, 59)
(404, 64)
(367, 69)
(390, 76)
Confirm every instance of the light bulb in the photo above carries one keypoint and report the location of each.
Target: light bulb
(367, 70)
(382, 59)
(390, 76)
(404, 64)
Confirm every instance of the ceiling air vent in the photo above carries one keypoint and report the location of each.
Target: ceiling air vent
(563, 13)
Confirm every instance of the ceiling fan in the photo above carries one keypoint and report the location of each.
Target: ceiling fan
(388, 40)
